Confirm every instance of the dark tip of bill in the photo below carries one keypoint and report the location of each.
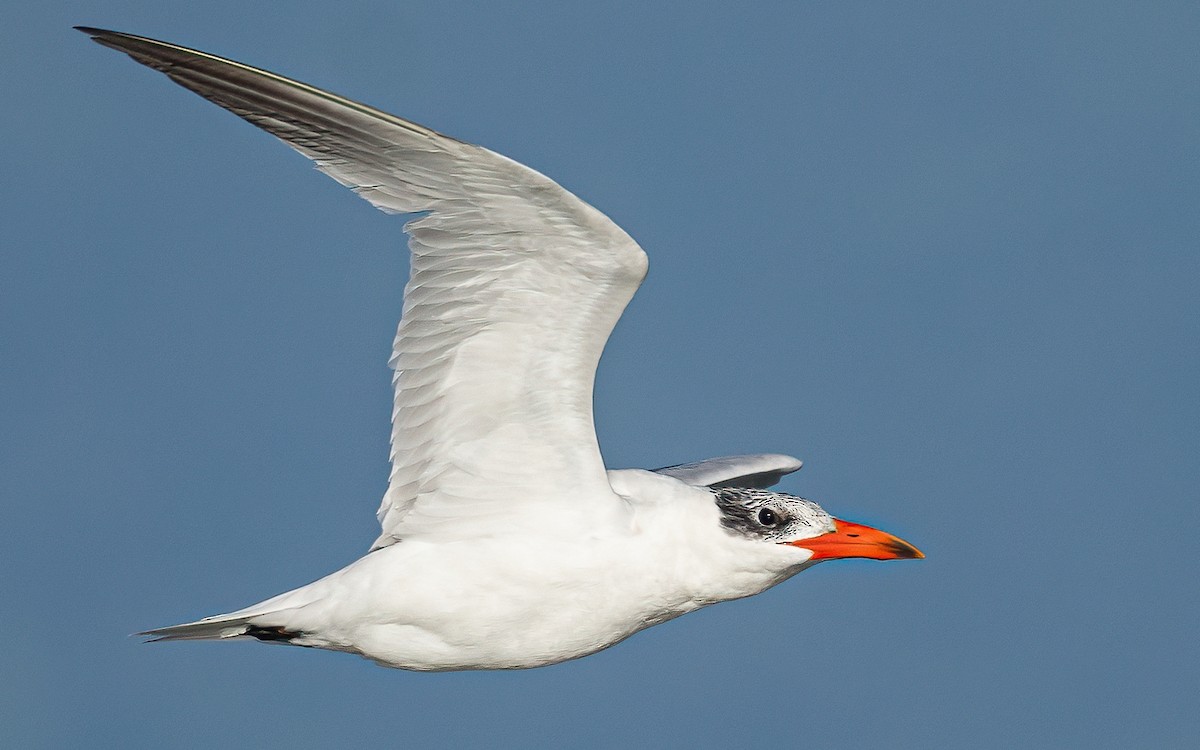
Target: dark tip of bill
(906, 551)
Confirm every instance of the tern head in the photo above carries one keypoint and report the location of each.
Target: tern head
(789, 520)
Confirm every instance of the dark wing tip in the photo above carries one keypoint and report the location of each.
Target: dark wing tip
(138, 47)
(114, 39)
(96, 33)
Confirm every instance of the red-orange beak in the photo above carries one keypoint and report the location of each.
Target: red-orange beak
(855, 540)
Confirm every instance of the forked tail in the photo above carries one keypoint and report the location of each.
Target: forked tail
(271, 620)
(221, 626)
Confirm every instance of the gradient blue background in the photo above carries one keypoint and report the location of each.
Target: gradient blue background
(946, 252)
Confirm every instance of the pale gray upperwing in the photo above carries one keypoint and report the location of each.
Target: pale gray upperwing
(515, 287)
(755, 470)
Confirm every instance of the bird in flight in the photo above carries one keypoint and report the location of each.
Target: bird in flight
(504, 542)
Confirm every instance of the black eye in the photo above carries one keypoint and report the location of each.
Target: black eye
(768, 517)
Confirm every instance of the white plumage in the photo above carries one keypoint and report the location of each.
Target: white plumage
(504, 542)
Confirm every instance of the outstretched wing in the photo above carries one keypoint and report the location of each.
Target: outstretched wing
(514, 289)
(756, 470)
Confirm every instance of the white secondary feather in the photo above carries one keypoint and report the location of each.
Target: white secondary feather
(518, 549)
(515, 287)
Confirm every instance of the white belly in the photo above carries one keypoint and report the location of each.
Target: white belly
(529, 600)
(489, 605)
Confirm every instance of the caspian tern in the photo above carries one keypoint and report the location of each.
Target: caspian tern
(505, 543)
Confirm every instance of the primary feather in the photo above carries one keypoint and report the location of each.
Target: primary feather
(514, 289)
(518, 548)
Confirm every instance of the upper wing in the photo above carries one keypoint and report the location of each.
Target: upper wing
(514, 289)
(757, 470)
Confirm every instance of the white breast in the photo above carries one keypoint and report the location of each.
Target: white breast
(526, 600)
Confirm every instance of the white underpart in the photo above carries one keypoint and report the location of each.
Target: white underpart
(504, 543)
(533, 598)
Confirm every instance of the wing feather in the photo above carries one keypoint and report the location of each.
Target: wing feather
(514, 288)
(757, 470)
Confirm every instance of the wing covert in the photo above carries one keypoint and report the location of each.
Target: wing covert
(514, 288)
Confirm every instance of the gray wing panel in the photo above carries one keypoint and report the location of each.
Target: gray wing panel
(757, 470)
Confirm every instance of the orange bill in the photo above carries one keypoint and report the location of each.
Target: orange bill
(856, 540)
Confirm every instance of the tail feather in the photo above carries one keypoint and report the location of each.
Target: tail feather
(270, 620)
(208, 628)
(266, 621)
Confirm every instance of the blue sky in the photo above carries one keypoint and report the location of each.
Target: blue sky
(945, 252)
